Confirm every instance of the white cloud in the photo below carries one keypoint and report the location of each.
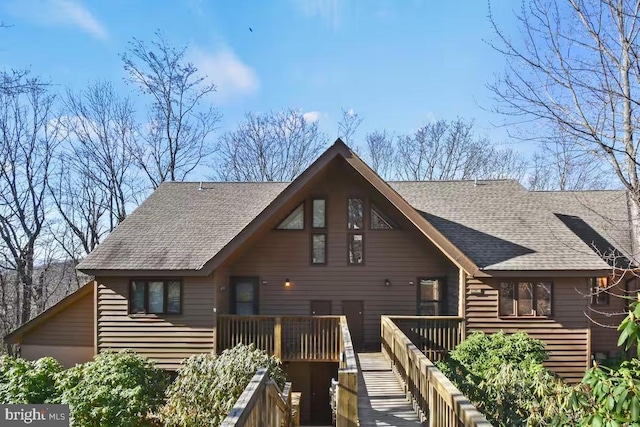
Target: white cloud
(311, 116)
(328, 10)
(70, 13)
(224, 69)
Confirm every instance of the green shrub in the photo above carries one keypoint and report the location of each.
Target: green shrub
(504, 377)
(207, 386)
(114, 389)
(482, 353)
(22, 381)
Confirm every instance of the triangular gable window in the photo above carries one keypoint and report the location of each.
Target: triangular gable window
(379, 221)
(295, 220)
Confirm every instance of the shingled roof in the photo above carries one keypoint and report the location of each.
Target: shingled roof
(181, 225)
(483, 226)
(502, 226)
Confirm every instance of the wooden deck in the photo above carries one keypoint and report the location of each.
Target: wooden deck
(381, 397)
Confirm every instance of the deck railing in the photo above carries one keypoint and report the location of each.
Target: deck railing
(437, 399)
(261, 404)
(299, 338)
(290, 338)
(435, 336)
(347, 391)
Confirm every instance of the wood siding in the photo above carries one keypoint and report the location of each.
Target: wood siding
(606, 318)
(71, 327)
(400, 255)
(167, 339)
(565, 332)
(68, 356)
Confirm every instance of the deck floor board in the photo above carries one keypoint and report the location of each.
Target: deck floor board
(381, 397)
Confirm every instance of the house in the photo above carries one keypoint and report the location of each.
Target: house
(341, 240)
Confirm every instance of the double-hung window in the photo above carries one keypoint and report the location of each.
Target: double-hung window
(525, 298)
(155, 297)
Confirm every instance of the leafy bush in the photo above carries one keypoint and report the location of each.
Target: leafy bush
(22, 381)
(610, 395)
(504, 377)
(208, 386)
(114, 389)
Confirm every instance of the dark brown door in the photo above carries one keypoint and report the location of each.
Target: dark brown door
(321, 308)
(354, 310)
(321, 374)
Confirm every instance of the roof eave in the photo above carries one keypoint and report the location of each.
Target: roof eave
(548, 273)
(97, 272)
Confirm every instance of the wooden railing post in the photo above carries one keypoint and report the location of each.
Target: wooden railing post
(277, 338)
(433, 402)
(215, 331)
(347, 411)
(347, 391)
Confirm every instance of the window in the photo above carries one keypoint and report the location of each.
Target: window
(525, 299)
(430, 296)
(599, 294)
(319, 213)
(155, 297)
(356, 249)
(244, 295)
(318, 249)
(379, 221)
(355, 220)
(294, 221)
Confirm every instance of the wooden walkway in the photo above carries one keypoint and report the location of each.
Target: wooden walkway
(381, 397)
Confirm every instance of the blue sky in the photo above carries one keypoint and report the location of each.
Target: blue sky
(396, 63)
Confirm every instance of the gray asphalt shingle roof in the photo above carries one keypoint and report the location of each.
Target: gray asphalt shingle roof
(502, 226)
(180, 227)
(496, 223)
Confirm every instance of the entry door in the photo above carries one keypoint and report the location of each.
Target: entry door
(321, 308)
(354, 310)
(244, 296)
(321, 374)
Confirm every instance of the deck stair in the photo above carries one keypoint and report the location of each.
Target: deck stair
(381, 399)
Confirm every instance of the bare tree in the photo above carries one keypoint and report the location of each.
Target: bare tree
(82, 206)
(94, 184)
(449, 150)
(561, 164)
(26, 150)
(277, 146)
(348, 125)
(499, 163)
(577, 69)
(176, 138)
(379, 152)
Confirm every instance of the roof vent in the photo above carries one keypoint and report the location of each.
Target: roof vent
(475, 182)
(200, 187)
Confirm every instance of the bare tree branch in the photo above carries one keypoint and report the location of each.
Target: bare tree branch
(277, 146)
(177, 137)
